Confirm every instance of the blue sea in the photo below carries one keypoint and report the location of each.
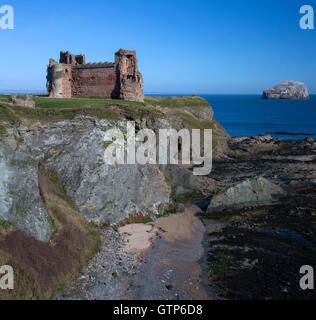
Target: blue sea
(248, 115)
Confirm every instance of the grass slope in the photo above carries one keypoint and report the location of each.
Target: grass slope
(48, 109)
(177, 102)
(43, 270)
(57, 109)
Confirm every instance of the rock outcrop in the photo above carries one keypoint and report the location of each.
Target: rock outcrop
(256, 191)
(191, 117)
(73, 150)
(27, 102)
(290, 90)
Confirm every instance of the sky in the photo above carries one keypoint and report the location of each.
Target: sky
(183, 46)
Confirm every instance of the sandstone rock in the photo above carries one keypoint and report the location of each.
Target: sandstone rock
(256, 191)
(73, 77)
(291, 90)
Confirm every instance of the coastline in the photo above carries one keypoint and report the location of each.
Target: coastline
(248, 253)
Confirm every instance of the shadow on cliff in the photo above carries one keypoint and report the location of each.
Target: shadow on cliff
(43, 270)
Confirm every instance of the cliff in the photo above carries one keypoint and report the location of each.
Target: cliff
(53, 175)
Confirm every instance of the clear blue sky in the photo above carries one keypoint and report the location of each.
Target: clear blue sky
(183, 46)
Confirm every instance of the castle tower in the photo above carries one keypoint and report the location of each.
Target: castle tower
(73, 77)
(130, 79)
(59, 80)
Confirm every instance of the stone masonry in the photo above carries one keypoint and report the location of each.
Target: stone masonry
(73, 77)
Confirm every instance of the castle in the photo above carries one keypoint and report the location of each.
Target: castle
(73, 77)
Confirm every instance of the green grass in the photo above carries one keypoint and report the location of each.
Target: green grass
(160, 215)
(187, 198)
(3, 130)
(139, 219)
(170, 211)
(5, 98)
(52, 109)
(218, 218)
(177, 102)
(43, 102)
(55, 226)
(60, 109)
(166, 213)
(5, 225)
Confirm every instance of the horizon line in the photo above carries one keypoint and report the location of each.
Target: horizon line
(34, 91)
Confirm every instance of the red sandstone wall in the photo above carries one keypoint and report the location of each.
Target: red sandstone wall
(94, 82)
(67, 83)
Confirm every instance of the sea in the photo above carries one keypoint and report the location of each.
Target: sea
(249, 115)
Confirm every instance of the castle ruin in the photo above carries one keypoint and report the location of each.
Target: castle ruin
(73, 77)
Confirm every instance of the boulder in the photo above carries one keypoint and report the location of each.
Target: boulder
(262, 138)
(181, 180)
(291, 90)
(253, 192)
(309, 140)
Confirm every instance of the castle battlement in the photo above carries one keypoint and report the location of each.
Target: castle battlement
(73, 77)
(94, 65)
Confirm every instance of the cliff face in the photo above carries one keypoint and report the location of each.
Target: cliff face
(53, 180)
(74, 151)
(291, 90)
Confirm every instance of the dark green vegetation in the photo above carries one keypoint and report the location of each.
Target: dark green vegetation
(5, 225)
(259, 252)
(190, 198)
(43, 270)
